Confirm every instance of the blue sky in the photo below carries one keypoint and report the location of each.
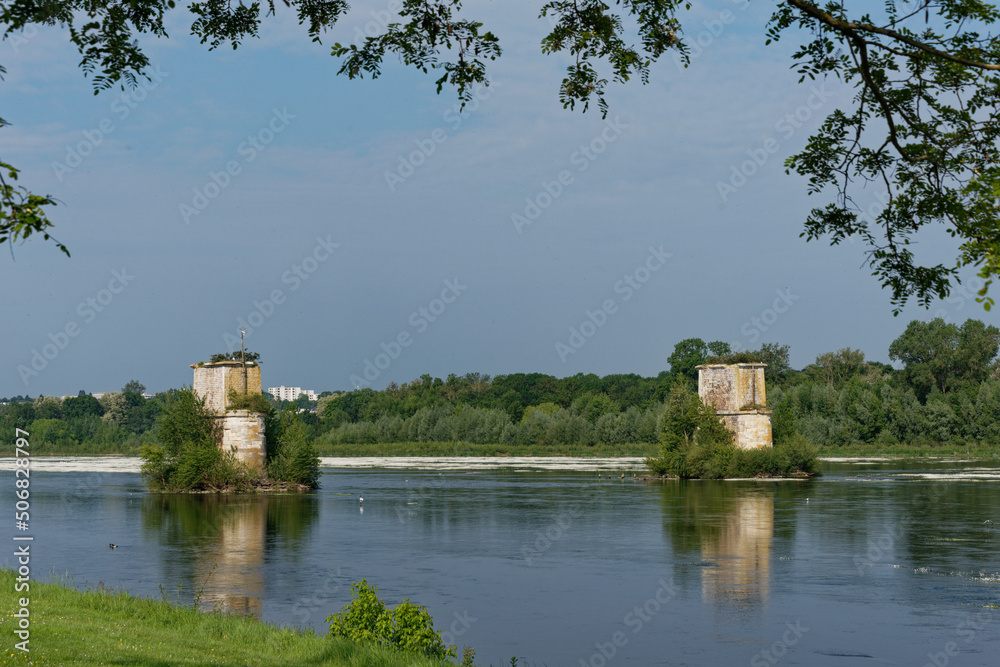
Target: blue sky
(368, 225)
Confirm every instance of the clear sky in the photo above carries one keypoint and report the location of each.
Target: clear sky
(338, 220)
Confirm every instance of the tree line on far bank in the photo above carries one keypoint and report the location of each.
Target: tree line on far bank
(947, 392)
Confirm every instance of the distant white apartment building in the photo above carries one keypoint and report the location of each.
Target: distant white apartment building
(284, 393)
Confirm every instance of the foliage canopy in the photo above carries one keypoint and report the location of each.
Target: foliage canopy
(943, 357)
(922, 125)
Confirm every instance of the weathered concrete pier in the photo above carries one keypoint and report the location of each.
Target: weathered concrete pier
(242, 430)
(736, 391)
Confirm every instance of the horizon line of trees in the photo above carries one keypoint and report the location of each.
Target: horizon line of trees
(947, 392)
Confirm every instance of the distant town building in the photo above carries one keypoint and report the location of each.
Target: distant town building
(284, 393)
(99, 394)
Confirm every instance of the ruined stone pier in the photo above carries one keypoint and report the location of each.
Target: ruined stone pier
(242, 430)
(736, 391)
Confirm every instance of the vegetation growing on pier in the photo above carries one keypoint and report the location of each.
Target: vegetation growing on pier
(186, 455)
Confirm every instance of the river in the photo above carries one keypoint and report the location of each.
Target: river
(566, 563)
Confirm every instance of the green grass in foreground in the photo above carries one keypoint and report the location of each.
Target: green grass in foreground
(472, 449)
(101, 627)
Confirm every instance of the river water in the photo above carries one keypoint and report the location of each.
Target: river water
(875, 562)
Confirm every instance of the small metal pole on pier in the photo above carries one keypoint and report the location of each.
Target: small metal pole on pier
(243, 360)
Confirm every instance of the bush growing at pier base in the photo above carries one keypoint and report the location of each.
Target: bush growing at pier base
(187, 456)
(291, 457)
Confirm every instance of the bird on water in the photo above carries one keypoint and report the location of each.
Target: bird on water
(113, 545)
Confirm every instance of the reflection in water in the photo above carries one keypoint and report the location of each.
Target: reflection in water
(742, 551)
(230, 566)
(724, 532)
(218, 544)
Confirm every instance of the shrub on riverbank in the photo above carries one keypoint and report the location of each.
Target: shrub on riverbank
(407, 626)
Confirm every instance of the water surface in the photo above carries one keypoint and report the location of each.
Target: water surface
(875, 562)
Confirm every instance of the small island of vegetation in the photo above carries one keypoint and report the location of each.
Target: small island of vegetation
(189, 454)
(695, 444)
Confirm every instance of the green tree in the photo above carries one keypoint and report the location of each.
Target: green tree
(915, 126)
(303, 402)
(81, 405)
(687, 354)
(51, 434)
(987, 421)
(290, 454)
(783, 423)
(978, 344)
(836, 368)
(246, 355)
(22, 213)
(17, 415)
(940, 356)
(689, 429)
(134, 387)
(775, 355)
(692, 352)
(48, 407)
(719, 349)
(187, 456)
(921, 123)
(594, 406)
(115, 408)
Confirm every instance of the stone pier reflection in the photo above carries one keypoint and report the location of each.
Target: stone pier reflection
(229, 570)
(722, 535)
(217, 545)
(741, 552)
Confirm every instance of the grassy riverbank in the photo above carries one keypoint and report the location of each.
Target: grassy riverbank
(472, 449)
(102, 627)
